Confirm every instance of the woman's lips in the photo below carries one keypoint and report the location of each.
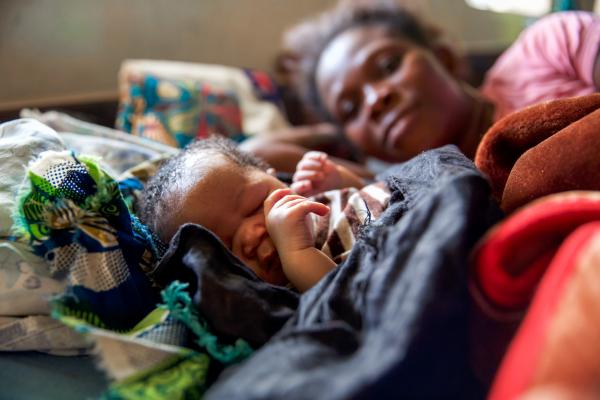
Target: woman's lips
(398, 126)
(401, 128)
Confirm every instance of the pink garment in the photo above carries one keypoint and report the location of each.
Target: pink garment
(553, 58)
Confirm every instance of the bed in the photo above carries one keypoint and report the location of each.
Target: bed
(431, 302)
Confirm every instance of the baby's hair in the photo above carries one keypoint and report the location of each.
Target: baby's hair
(156, 209)
(309, 39)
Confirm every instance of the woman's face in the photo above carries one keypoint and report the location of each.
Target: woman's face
(393, 97)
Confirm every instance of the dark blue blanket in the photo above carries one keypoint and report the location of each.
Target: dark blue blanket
(392, 321)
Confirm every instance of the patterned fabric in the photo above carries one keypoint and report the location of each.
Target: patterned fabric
(149, 362)
(132, 181)
(25, 281)
(77, 220)
(116, 156)
(62, 122)
(258, 116)
(118, 150)
(265, 87)
(175, 112)
(182, 377)
(350, 209)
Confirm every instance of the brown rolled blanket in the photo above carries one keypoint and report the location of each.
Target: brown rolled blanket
(546, 148)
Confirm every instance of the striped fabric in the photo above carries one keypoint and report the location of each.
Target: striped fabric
(351, 208)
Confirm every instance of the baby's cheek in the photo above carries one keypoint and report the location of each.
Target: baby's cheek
(276, 275)
(251, 263)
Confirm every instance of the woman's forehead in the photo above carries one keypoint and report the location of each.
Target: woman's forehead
(346, 51)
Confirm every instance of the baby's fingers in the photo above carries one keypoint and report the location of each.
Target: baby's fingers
(303, 187)
(314, 155)
(313, 160)
(314, 176)
(274, 197)
(309, 164)
(295, 207)
(305, 206)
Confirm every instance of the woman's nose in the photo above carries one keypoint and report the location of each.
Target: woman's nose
(379, 98)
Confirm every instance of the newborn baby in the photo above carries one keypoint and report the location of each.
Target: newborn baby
(265, 223)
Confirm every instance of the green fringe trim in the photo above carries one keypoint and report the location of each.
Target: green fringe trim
(183, 377)
(178, 302)
(82, 321)
(73, 317)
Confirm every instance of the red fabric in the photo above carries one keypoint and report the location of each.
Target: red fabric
(513, 257)
(542, 261)
(519, 367)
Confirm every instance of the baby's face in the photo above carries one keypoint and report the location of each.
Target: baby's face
(229, 202)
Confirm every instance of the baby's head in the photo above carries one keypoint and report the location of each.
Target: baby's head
(213, 184)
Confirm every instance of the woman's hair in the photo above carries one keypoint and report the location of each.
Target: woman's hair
(173, 177)
(309, 39)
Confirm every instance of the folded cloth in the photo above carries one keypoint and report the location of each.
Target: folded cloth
(74, 215)
(543, 260)
(543, 149)
(26, 282)
(233, 300)
(514, 256)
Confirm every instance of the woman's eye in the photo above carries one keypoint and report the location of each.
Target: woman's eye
(388, 64)
(347, 109)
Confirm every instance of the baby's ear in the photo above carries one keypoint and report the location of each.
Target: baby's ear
(271, 171)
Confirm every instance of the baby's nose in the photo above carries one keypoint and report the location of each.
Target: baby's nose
(252, 238)
(265, 251)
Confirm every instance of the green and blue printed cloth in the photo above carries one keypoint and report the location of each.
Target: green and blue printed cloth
(152, 343)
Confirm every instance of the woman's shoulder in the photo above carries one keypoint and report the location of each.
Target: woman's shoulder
(552, 58)
(566, 17)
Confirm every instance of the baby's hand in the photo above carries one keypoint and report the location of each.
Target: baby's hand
(286, 215)
(316, 173)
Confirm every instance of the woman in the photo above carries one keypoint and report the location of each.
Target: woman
(396, 89)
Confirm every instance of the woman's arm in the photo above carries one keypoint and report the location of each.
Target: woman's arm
(284, 149)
